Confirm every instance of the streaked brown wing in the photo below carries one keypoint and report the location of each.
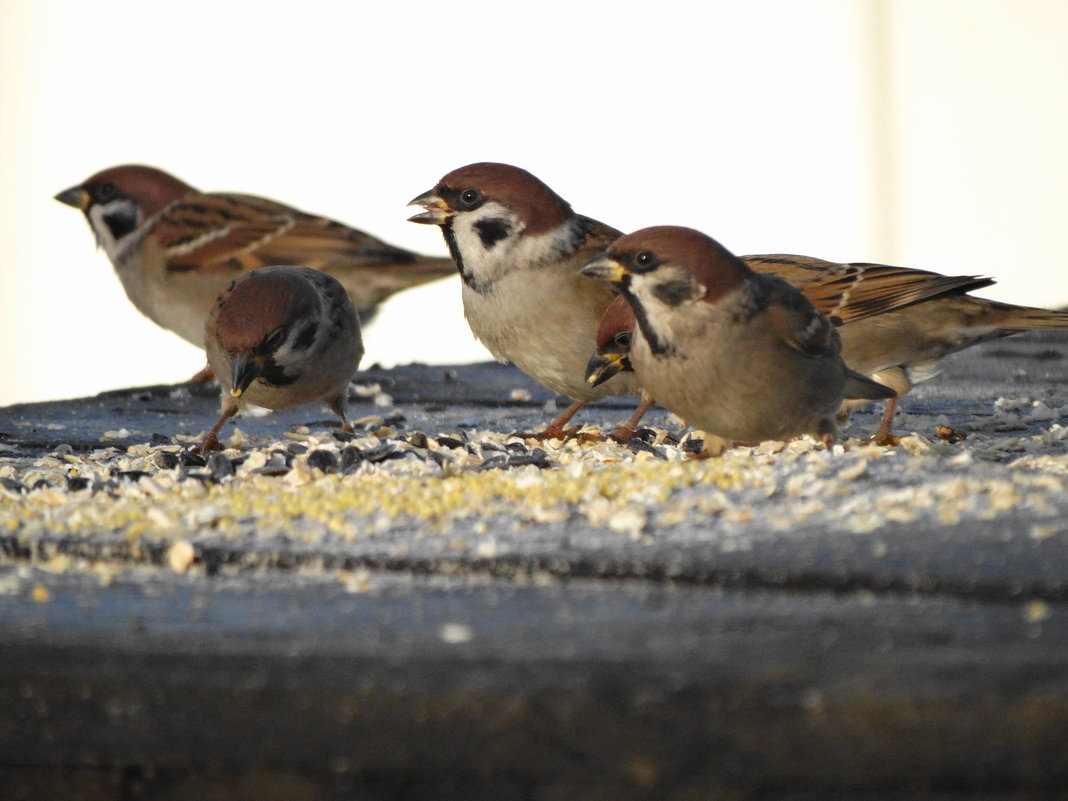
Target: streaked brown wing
(328, 245)
(226, 231)
(220, 231)
(850, 292)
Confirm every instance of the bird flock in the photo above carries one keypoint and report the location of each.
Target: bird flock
(746, 349)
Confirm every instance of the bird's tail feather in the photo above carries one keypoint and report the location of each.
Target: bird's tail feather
(1026, 318)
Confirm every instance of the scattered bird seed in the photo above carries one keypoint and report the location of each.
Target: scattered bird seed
(453, 482)
(637, 445)
(693, 445)
(11, 484)
(220, 466)
(494, 463)
(132, 475)
(537, 458)
(276, 465)
(350, 456)
(325, 460)
(190, 458)
(646, 435)
(387, 450)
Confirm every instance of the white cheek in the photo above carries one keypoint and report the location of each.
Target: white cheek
(474, 253)
(515, 251)
(290, 356)
(100, 228)
(666, 320)
(643, 291)
(480, 261)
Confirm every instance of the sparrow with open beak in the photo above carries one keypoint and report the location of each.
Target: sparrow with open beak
(742, 355)
(176, 248)
(282, 336)
(519, 247)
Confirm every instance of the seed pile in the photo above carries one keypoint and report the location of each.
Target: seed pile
(388, 491)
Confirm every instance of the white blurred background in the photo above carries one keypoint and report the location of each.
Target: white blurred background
(927, 133)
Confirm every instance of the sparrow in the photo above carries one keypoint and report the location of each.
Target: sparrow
(519, 247)
(615, 335)
(615, 332)
(739, 354)
(176, 248)
(895, 323)
(282, 336)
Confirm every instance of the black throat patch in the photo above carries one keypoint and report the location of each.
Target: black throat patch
(306, 337)
(657, 344)
(457, 257)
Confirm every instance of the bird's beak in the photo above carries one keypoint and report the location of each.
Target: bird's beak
(243, 372)
(437, 210)
(76, 196)
(603, 366)
(607, 268)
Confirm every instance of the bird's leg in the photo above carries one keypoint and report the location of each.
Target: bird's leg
(555, 429)
(625, 432)
(828, 433)
(211, 440)
(885, 434)
(336, 404)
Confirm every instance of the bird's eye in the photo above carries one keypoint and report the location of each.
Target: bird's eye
(106, 192)
(644, 260)
(274, 339)
(470, 198)
(622, 339)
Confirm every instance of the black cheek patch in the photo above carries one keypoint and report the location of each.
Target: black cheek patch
(491, 231)
(674, 293)
(306, 337)
(274, 376)
(120, 223)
